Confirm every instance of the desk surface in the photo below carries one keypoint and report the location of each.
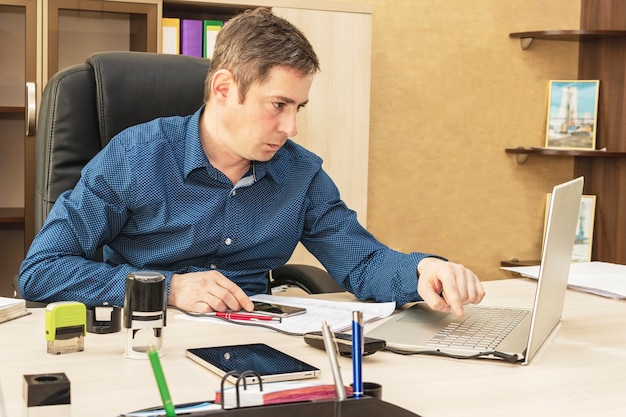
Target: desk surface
(578, 372)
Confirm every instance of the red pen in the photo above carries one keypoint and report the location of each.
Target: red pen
(245, 316)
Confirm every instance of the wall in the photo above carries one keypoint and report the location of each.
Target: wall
(451, 91)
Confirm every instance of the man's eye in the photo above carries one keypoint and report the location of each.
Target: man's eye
(278, 105)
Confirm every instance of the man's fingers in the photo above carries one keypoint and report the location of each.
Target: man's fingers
(432, 297)
(233, 297)
(208, 291)
(447, 286)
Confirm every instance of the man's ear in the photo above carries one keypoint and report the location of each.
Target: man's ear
(223, 84)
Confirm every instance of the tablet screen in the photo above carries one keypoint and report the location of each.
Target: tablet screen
(271, 364)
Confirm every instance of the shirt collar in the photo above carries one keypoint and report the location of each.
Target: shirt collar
(194, 154)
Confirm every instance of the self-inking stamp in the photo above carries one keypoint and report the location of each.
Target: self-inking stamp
(144, 313)
(65, 327)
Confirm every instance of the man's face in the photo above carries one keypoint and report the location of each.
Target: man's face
(260, 125)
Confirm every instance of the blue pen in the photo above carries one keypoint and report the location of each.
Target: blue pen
(357, 354)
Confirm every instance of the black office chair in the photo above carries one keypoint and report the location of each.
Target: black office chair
(85, 106)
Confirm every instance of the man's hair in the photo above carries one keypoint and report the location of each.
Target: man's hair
(255, 41)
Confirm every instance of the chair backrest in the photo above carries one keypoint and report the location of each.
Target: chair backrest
(84, 106)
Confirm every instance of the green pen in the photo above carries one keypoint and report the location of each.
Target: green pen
(153, 355)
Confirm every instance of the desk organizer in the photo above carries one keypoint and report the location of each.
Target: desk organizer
(350, 407)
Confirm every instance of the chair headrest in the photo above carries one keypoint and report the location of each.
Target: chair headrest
(135, 87)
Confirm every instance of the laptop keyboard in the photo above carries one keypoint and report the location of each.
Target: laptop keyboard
(479, 328)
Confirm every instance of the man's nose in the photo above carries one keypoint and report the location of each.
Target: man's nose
(289, 124)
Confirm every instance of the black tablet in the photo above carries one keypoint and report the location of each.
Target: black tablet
(271, 364)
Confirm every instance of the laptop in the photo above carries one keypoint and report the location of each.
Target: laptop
(510, 334)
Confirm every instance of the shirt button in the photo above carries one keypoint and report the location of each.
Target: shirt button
(213, 266)
(232, 193)
(228, 241)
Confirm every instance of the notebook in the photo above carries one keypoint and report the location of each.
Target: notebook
(517, 339)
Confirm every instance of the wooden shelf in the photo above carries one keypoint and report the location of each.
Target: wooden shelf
(516, 262)
(577, 35)
(12, 109)
(11, 215)
(522, 153)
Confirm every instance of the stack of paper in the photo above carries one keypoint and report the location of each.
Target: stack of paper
(12, 308)
(277, 393)
(601, 278)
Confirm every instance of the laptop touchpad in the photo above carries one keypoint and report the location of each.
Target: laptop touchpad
(419, 313)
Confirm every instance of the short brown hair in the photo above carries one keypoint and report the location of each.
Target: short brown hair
(252, 43)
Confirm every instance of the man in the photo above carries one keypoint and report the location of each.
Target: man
(216, 199)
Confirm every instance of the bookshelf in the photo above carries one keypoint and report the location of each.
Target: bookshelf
(602, 49)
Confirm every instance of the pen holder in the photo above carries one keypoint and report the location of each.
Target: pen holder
(372, 389)
(144, 313)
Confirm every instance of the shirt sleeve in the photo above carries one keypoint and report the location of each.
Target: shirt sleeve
(354, 257)
(63, 262)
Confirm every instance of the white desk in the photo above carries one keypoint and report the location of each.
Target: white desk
(579, 372)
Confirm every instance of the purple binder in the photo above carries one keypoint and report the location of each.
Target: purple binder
(191, 37)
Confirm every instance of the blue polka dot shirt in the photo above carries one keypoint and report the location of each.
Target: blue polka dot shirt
(152, 201)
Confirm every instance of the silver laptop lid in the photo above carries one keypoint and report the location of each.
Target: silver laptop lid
(555, 262)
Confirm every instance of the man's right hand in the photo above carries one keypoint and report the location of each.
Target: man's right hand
(207, 291)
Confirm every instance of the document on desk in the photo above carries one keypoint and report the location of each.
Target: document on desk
(12, 308)
(600, 278)
(338, 314)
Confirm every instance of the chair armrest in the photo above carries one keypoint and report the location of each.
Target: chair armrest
(309, 278)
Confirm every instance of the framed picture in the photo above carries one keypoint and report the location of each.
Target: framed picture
(572, 114)
(584, 229)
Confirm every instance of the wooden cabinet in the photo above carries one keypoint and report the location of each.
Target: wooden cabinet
(18, 65)
(74, 29)
(602, 52)
(31, 52)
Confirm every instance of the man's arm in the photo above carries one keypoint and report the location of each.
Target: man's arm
(371, 270)
(62, 264)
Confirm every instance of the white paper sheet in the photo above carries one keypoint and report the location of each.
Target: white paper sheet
(338, 314)
(601, 278)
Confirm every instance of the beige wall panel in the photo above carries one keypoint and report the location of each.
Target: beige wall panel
(336, 123)
(451, 91)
